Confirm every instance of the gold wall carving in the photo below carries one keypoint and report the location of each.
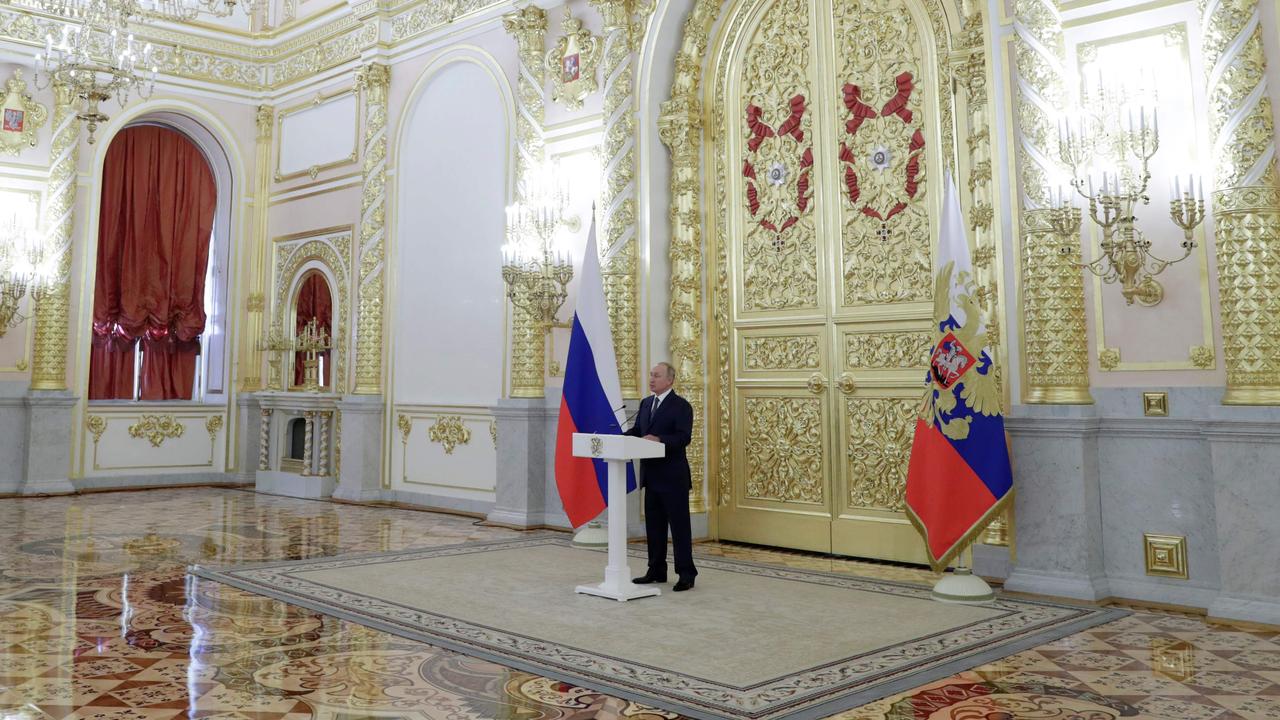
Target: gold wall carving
(624, 22)
(405, 425)
(427, 16)
(213, 425)
(785, 466)
(28, 116)
(449, 431)
(493, 433)
(528, 26)
(886, 239)
(157, 428)
(779, 245)
(330, 247)
(888, 350)
(1246, 204)
(1053, 328)
(97, 425)
(52, 304)
(572, 63)
(373, 80)
(877, 448)
(785, 352)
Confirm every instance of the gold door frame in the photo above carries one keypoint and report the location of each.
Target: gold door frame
(698, 292)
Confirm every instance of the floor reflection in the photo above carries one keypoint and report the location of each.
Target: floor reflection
(98, 619)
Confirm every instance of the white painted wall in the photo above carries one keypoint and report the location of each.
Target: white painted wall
(450, 198)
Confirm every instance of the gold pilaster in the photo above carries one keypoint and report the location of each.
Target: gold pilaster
(620, 257)
(52, 303)
(528, 26)
(1057, 355)
(680, 128)
(255, 302)
(373, 80)
(1246, 203)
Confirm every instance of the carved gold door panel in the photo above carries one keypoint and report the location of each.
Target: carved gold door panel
(828, 139)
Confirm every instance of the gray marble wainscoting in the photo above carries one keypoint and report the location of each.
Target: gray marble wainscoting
(249, 425)
(1244, 449)
(13, 435)
(1091, 480)
(48, 442)
(360, 444)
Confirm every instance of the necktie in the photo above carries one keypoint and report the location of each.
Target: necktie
(653, 409)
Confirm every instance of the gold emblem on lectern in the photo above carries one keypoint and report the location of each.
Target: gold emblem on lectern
(597, 446)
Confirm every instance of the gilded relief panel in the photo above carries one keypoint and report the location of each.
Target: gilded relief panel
(784, 449)
(877, 447)
(888, 350)
(779, 247)
(781, 352)
(881, 140)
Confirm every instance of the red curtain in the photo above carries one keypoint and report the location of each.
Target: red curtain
(314, 301)
(158, 201)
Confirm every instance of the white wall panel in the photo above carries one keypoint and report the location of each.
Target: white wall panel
(322, 135)
(450, 194)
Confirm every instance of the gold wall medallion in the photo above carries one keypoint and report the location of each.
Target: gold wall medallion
(213, 425)
(157, 428)
(449, 431)
(97, 425)
(1166, 555)
(1155, 404)
(572, 63)
(406, 426)
(21, 116)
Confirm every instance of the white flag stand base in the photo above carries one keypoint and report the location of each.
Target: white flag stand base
(591, 535)
(963, 587)
(616, 449)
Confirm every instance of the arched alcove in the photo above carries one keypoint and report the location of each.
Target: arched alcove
(453, 159)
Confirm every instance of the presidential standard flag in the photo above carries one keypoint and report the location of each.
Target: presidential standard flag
(959, 477)
(592, 397)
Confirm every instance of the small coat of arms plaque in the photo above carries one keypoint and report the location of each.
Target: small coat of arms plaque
(572, 63)
(597, 446)
(20, 116)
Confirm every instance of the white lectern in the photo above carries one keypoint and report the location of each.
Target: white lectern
(617, 450)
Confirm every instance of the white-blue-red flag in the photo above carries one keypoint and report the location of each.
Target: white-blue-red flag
(959, 477)
(592, 398)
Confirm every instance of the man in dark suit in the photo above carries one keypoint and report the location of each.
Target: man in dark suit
(667, 418)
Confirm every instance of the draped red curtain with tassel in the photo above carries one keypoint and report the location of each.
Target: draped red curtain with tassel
(314, 301)
(158, 201)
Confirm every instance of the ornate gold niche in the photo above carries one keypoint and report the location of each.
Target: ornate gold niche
(694, 116)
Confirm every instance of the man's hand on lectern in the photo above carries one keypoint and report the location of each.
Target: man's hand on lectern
(652, 437)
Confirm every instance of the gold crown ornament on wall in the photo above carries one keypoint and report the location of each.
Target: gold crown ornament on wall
(572, 63)
(22, 116)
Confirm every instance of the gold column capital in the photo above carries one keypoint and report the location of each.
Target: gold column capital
(265, 120)
(374, 78)
(528, 26)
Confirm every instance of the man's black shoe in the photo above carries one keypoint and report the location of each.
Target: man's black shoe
(683, 585)
(647, 579)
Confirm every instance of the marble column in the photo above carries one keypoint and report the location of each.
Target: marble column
(358, 455)
(526, 437)
(49, 434)
(1057, 502)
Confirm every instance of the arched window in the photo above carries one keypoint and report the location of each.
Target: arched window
(154, 282)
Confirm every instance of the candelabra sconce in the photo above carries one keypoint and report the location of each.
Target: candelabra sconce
(1126, 257)
(312, 341)
(22, 270)
(276, 344)
(536, 275)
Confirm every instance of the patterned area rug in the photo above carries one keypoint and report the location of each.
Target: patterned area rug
(750, 641)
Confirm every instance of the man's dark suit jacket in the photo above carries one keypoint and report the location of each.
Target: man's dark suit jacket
(673, 426)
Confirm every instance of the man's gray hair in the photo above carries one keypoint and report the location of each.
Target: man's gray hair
(671, 370)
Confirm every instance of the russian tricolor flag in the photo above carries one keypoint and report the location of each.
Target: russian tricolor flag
(959, 477)
(592, 398)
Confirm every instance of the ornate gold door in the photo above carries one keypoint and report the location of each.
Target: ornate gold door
(826, 139)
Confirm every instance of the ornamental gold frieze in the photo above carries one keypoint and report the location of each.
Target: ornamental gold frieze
(877, 448)
(157, 428)
(784, 458)
(791, 352)
(896, 350)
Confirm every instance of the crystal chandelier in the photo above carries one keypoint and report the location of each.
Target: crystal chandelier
(97, 59)
(22, 269)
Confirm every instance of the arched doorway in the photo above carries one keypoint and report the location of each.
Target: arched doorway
(826, 165)
(160, 272)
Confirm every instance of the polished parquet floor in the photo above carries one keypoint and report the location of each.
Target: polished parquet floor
(99, 620)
